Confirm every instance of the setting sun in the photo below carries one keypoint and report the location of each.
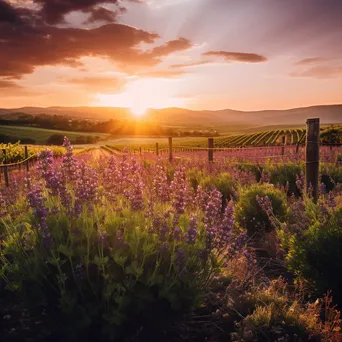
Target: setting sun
(138, 110)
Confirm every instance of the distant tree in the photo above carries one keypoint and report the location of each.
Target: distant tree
(28, 141)
(56, 139)
(80, 139)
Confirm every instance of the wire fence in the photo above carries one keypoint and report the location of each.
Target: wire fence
(11, 171)
(255, 155)
(233, 155)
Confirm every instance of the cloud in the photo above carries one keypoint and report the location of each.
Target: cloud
(9, 84)
(53, 11)
(23, 50)
(319, 72)
(10, 88)
(188, 65)
(161, 74)
(27, 42)
(99, 84)
(171, 46)
(101, 14)
(312, 60)
(237, 56)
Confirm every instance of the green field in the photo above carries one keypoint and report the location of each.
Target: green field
(329, 134)
(41, 135)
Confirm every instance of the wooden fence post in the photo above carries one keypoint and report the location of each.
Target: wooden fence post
(27, 161)
(157, 149)
(170, 149)
(140, 151)
(211, 150)
(312, 157)
(5, 167)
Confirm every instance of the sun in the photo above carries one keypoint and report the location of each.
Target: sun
(138, 110)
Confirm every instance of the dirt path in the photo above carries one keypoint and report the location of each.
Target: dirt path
(99, 153)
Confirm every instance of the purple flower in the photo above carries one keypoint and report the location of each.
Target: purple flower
(177, 234)
(69, 163)
(86, 188)
(300, 181)
(331, 200)
(160, 184)
(180, 260)
(191, 234)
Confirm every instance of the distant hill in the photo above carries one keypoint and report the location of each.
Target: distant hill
(226, 120)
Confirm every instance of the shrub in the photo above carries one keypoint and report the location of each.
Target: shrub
(55, 139)
(339, 158)
(250, 215)
(285, 175)
(224, 183)
(255, 169)
(314, 254)
(281, 316)
(331, 176)
(195, 177)
(111, 257)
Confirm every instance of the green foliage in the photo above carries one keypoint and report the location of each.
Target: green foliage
(331, 175)
(251, 216)
(195, 176)
(223, 182)
(285, 175)
(315, 253)
(93, 276)
(16, 152)
(41, 135)
(279, 316)
(255, 169)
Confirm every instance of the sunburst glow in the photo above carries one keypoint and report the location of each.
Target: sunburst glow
(138, 110)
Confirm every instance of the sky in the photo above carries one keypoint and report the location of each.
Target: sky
(196, 54)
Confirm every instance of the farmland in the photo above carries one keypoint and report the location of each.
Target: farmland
(40, 136)
(109, 243)
(329, 135)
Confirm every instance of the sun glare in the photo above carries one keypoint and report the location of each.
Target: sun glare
(138, 111)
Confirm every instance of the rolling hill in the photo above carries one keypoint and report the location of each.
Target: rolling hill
(227, 120)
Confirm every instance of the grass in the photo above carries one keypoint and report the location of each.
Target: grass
(262, 138)
(41, 135)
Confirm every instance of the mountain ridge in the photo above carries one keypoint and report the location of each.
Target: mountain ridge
(329, 114)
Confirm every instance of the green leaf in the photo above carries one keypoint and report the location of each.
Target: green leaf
(65, 250)
(120, 259)
(99, 261)
(134, 269)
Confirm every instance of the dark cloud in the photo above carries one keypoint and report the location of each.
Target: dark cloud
(23, 50)
(7, 12)
(101, 14)
(9, 84)
(26, 42)
(237, 56)
(53, 11)
(311, 60)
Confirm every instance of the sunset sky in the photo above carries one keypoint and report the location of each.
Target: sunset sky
(198, 54)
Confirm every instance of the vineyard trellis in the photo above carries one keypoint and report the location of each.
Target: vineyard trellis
(235, 149)
(6, 166)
